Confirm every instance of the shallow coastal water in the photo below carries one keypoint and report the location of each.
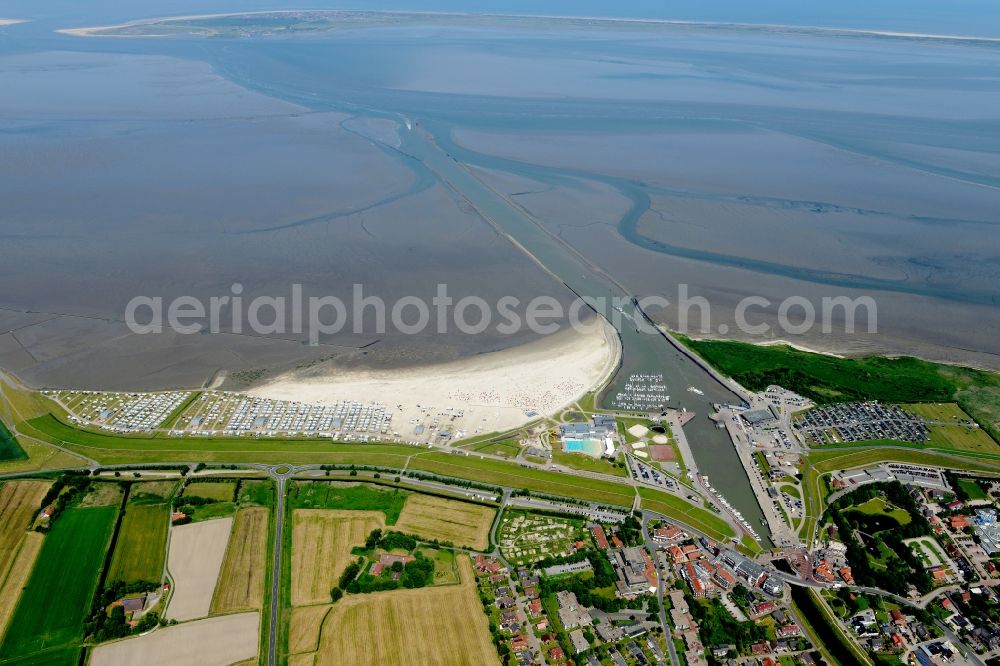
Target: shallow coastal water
(627, 161)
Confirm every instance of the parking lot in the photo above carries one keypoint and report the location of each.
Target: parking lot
(861, 421)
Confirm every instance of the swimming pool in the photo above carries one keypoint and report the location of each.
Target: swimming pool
(591, 447)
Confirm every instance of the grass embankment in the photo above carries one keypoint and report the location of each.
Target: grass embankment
(675, 507)
(49, 617)
(828, 379)
(113, 449)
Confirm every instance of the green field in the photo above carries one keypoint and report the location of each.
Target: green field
(827, 379)
(141, 545)
(9, 448)
(333, 495)
(221, 491)
(57, 598)
(258, 491)
(951, 428)
(972, 489)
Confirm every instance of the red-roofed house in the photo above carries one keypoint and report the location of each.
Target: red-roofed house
(600, 538)
(788, 630)
(724, 579)
(535, 607)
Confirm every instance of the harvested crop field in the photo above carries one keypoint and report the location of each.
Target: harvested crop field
(16, 572)
(215, 641)
(194, 561)
(303, 632)
(142, 544)
(321, 548)
(378, 629)
(241, 584)
(462, 523)
(221, 491)
(19, 500)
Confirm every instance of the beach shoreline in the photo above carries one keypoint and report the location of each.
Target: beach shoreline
(496, 391)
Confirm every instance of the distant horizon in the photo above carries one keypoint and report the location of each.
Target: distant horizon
(972, 18)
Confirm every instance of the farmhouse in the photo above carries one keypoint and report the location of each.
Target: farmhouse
(385, 561)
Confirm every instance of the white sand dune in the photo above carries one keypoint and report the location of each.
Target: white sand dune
(194, 561)
(494, 390)
(215, 641)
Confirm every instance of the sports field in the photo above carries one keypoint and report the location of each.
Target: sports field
(241, 583)
(67, 569)
(462, 523)
(322, 540)
(142, 544)
(221, 491)
(438, 626)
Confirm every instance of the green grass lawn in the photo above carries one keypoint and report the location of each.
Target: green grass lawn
(212, 511)
(221, 491)
(61, 588)
(508, 448)
(258, 491)
(328, 495)
(141, 545)
(972, 489)
(877, 506)
(952, 428)
(586, 463)
(9, 448)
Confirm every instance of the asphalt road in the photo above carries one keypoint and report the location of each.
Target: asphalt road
(279, 526)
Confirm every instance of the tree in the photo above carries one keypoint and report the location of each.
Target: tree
(335, 594)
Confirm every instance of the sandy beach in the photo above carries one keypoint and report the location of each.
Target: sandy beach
(495, 390)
